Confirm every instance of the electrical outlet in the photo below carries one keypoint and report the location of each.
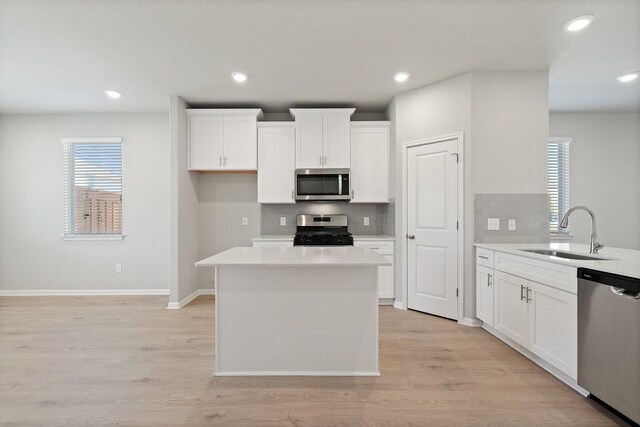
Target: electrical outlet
(493, 223)
(366, 220)
(283, 221)
(512, 224)
(245, 220)
(118, 268)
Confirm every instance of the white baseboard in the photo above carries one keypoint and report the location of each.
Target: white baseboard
(474, 323)
(186, 300)
(399, 305)
(81, 292)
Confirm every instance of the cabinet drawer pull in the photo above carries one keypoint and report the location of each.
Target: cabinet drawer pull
(489, 281)
(522, 293)
(528, 293)
(483, 257)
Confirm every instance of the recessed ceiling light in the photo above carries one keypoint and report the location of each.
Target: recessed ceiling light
(401, 76)
(239, 77)
(113, 94)
(627, 77)
(579, 23)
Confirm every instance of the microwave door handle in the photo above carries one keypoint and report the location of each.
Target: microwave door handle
(339, 184)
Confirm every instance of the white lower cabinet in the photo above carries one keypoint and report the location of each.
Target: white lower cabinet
(542, 319)
(386, 288)
(553, 326)
(511, 307)
(484, 294)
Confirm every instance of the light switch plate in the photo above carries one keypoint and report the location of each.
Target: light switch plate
(512, 224)
(283, 221)
(245, 220)
(366, 220)
(493, 223)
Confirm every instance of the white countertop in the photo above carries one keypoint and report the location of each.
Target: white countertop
(287, 237)
(298, 256)
(625, 262)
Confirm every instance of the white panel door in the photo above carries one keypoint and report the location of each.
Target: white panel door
(336, 140)
(553, 327)
(510, 302)
(240, 143)
(370, 164)
(276, 164)
(432, 211)
(205, 142)
(484, 294)
(385, 279)
(309, 141)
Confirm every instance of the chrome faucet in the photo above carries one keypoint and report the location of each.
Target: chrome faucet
(594, 246)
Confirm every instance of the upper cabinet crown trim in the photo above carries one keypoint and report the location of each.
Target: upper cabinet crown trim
(276, 124)
(368, 124)
(295, 111)
(225, 112)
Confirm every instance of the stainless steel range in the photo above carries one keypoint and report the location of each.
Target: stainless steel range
(322, 230)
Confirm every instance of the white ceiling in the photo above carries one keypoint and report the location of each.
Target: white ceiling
(59, 56)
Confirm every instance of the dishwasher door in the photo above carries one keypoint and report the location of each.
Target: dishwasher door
(609, 339)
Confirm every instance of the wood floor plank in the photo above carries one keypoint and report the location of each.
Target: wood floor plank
(129, 361)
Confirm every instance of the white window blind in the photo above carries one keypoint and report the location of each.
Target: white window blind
(558, 175)
(93, 186)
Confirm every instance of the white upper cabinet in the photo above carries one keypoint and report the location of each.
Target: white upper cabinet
(276, 162)
(370, 162)
(309, 141)
(323, 137)
(223, 139)
(205, 142)
(336, 138)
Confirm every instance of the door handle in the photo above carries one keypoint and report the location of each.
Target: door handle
(521, 292)
(489, 282)
(292, 197)
(320, 160)
(225, 161)
(220, 161)
(353, 192)
(410, 236)
(528, 293)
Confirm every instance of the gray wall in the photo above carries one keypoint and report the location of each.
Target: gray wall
(504, 117)
(223, 199)
(184, 208)
(605, 174)
(33, 255)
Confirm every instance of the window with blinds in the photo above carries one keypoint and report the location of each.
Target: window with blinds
(558, 175)
(93, 187)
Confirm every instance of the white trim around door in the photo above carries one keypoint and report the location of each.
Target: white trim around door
(461, 231)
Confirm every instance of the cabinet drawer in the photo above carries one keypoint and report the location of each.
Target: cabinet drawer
(550, 274)
(384, 247)
(484, 257)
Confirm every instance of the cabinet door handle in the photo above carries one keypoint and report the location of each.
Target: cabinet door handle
(225, 160)
(522, 293)
(489, 281)
(528, 293)
(320, 160)
(325, 160)
(220, 161)
(292, 197)
(353, 192)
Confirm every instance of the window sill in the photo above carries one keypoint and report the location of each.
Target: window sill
(95, 237)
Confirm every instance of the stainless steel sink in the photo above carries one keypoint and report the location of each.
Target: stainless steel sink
(567, 255)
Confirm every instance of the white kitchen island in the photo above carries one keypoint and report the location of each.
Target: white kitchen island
(296, 311)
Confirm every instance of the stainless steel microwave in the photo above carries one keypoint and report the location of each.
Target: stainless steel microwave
(323, 184)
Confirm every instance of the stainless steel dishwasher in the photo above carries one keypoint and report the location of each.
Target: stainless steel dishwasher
(609, 339)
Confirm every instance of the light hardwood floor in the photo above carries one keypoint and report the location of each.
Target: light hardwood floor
(129, 361)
